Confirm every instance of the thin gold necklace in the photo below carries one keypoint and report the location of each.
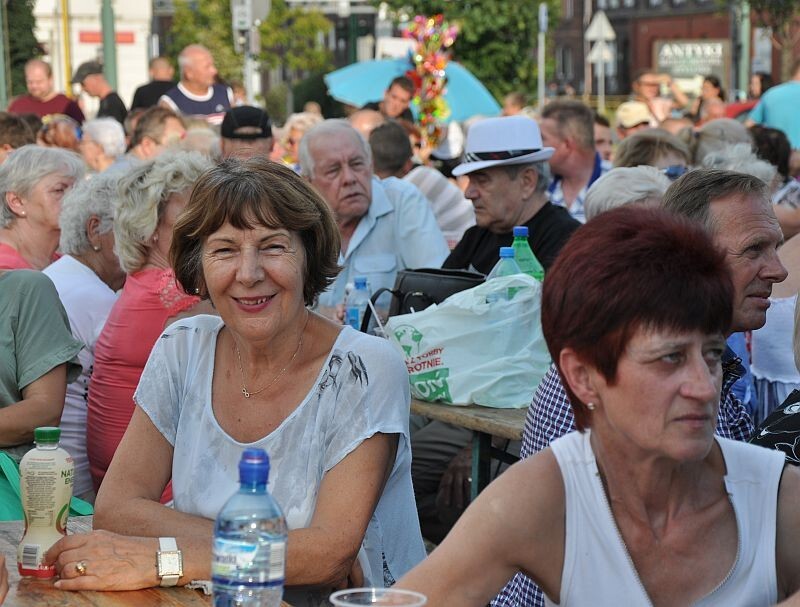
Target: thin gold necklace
(245, 391)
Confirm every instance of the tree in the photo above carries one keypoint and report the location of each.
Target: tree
(783, 16)
(207, 22)
(497, 38)
(293, 37)
(22, 44)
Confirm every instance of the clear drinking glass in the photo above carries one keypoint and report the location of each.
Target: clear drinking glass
(392, 597)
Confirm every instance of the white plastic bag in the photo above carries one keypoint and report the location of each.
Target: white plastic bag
(466, 350)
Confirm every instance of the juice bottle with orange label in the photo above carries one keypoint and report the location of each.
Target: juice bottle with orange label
(46, 475)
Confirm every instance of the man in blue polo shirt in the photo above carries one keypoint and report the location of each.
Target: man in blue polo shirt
(778, 108)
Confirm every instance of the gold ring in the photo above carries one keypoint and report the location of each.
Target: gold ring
(80, 567)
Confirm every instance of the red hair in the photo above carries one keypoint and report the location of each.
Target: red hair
(627, 269)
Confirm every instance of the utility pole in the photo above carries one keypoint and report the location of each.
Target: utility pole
(247, 16)
(744, 54)
(5, 60)
(67, 47)
(109, 43)
(541, 53)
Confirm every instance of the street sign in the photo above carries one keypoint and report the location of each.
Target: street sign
(600, 29)
(241, 15)
(600, 53)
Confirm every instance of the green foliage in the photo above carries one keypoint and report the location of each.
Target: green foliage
(21, 41)
(275, 102)
(775, 13)
(207, 22)
(783, 16)
(290, 37)
(293, 37)
(497, 38)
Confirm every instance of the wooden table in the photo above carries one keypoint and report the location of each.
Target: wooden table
(485, 423)
(31, 592)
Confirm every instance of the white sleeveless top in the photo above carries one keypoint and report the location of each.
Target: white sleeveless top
(773, 357)
(598, 570)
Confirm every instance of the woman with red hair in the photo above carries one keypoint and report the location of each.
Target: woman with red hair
(643, 505)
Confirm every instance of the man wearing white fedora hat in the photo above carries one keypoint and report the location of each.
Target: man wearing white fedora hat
(508, 175)
(507, 168)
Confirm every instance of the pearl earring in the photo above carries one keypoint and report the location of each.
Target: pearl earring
(591, 406)
(95, 248)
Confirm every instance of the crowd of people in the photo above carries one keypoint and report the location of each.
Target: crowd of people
(172, 281)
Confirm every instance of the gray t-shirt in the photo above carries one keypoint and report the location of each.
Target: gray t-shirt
(362, 389)
(34, 337)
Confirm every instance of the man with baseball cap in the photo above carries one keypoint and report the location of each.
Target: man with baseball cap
(506, 163)
(246, 132)
(632, 116)
(90, 76)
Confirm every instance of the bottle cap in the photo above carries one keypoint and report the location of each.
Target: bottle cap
(506, 252)
(47, 434)
(360, 282)
(520, 231)
(254, 467)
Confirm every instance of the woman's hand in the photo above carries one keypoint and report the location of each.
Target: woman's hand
(109, 562)
(3, 579)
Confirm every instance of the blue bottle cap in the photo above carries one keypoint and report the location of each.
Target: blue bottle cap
(520, 231)
(506, 252)
(254, 467)
(360, 282)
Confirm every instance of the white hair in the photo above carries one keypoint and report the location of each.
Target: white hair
(27, 166)
(143, 194)
(625, 185)
(108, 134)
(203, 140)
(96, 196)
(301, 121)
(330, 132)
(740, 158)
(184, 58)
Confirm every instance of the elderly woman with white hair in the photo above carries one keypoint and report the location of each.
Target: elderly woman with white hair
(33, 181)
(297, 125)
(151, 197)
(102, 143)
(86, 277)
(625, 185)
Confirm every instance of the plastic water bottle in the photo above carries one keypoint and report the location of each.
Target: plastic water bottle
(507, 266)
(249, 553)
(523, 255)
(357, 302)
(46, 475)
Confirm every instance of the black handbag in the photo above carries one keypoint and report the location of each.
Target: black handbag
(415, 290)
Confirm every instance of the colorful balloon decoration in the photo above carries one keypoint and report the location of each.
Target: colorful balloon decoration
(432, 36)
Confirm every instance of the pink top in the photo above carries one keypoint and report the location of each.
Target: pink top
(10, 259)
(138, 317)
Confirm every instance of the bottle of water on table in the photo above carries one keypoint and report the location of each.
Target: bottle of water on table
(506, 266)
(249, 552)
(524, 256)
(357, 302)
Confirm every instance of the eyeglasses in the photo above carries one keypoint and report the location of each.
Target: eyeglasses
(674, 171)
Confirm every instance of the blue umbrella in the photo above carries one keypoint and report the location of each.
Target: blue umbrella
(360, 83)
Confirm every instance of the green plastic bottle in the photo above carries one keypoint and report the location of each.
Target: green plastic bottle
(523, 255)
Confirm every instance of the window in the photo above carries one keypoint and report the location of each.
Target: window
(568, 9)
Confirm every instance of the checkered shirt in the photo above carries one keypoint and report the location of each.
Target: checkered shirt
(550, 417)
(576, 209)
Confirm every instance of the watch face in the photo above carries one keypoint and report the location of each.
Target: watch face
(170, 563)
